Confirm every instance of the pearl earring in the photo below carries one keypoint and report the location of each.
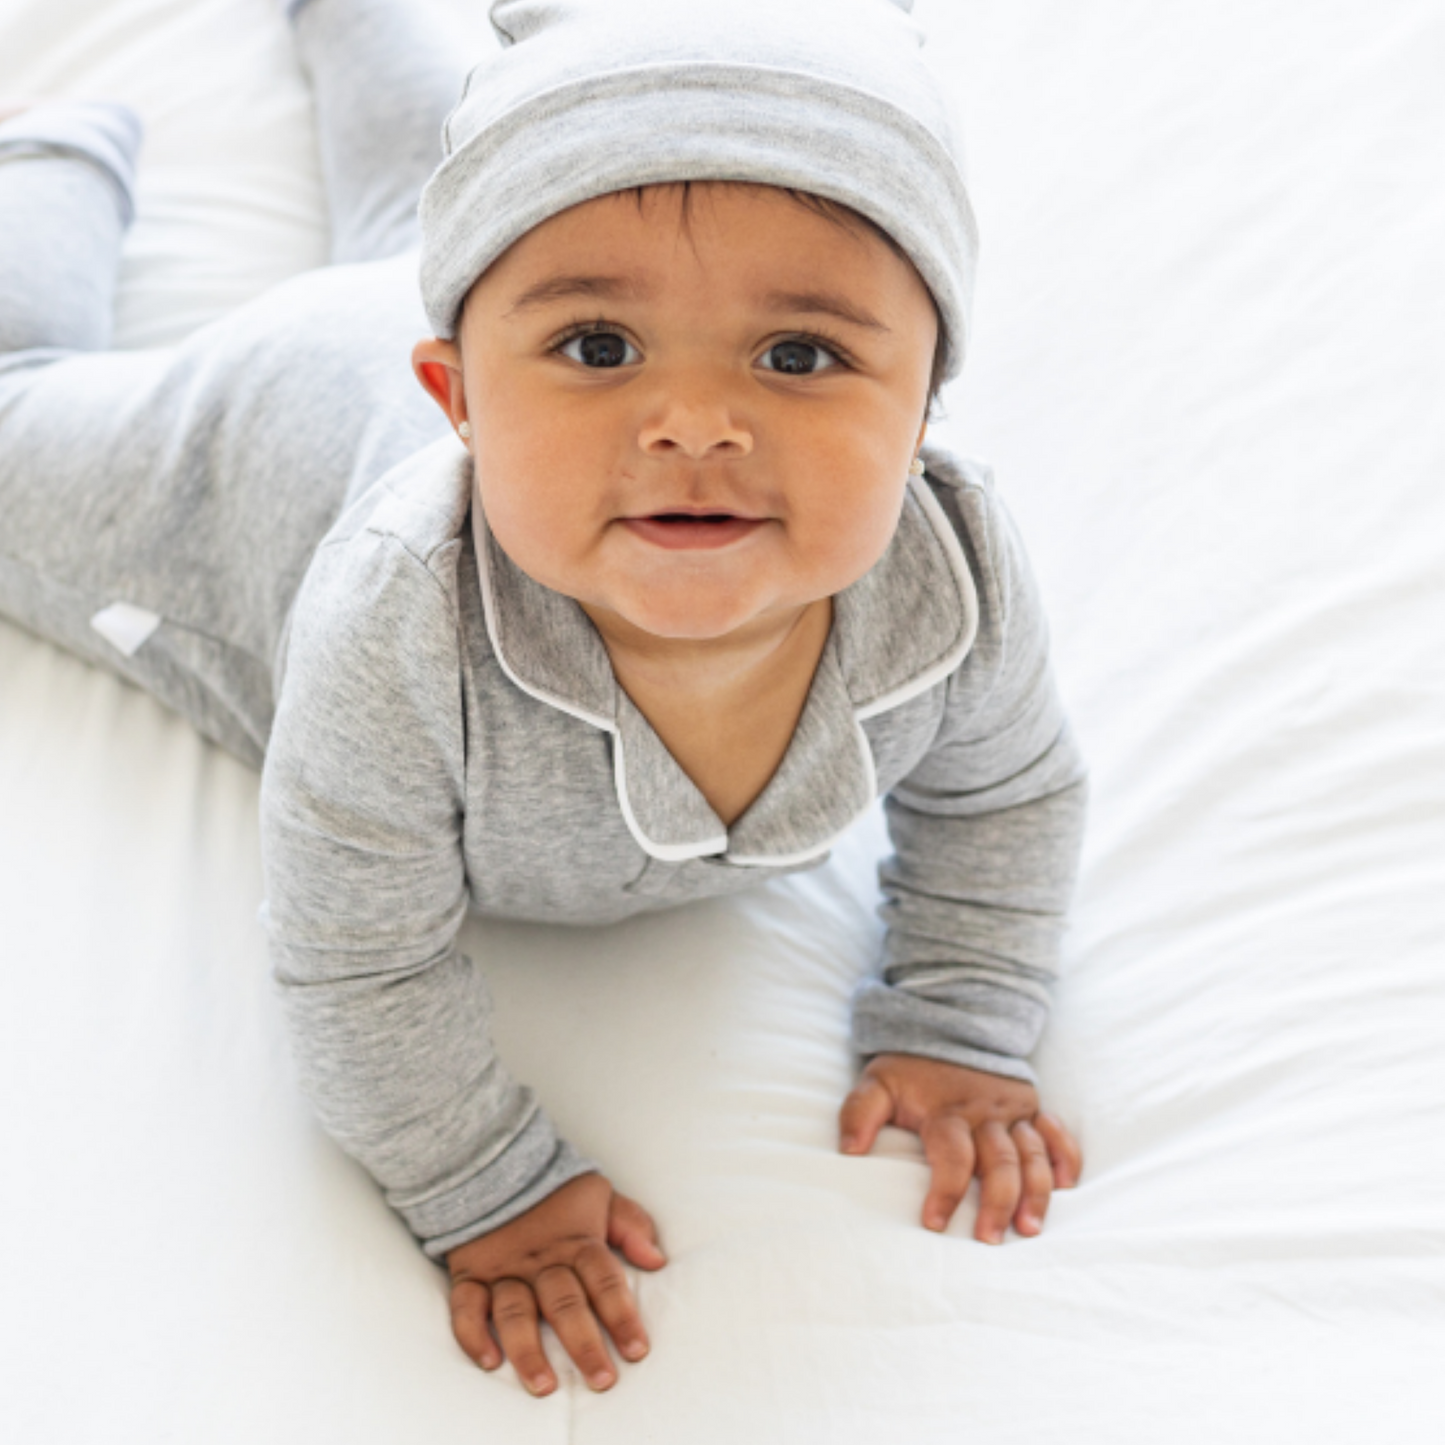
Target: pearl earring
(465, 431)
(916, 467)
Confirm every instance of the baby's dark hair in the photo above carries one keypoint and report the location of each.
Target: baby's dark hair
(848, 219)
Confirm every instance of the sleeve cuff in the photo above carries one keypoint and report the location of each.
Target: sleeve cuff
(887, 1020)
(106, 134)
(534, 1164)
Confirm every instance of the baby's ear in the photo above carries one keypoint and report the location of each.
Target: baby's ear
(438, 366)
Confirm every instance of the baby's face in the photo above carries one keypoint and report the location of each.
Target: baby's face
(694, 426)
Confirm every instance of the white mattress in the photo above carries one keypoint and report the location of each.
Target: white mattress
(1209, 362)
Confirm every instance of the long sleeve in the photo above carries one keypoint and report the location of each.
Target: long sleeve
(362, 804)
(986, 832)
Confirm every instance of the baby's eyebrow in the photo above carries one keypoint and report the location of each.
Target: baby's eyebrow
(626, 288)
(559, 288)
(822, 303)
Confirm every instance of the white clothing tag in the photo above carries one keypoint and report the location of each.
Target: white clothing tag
(126, 628)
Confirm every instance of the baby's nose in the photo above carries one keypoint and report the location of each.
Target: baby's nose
(696, 420)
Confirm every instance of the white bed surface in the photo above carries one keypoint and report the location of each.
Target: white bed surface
(1210, 349)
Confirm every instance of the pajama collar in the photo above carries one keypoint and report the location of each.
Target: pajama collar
(899, 630)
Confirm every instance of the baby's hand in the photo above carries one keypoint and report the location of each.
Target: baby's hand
(970, 1123)
(555, 1261)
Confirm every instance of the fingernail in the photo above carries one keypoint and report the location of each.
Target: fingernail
(1029, 1222)
(539, 1384)
(995, 1236)
(849, 1143)
(634, 1349)
(600, 1379)
(935, 1223)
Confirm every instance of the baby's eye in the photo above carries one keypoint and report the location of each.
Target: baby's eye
(799, 358)
(599, 349)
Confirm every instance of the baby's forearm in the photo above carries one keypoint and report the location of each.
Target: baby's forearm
(366, 892)
(403, 1076)
(976, 908)
(987, 831)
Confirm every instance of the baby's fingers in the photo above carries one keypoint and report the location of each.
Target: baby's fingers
(1000, 1181)
(865, 1111)
(948, 1146)
(613, 1301)
(514, 1312)
(471, 1301)
(1037, 1178)
(566, 1308)
(1068, 1159)
(630, 1228)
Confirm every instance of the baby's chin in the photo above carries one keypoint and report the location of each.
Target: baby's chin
(687, 622)
(690, 615)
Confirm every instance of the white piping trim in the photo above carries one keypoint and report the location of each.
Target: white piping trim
(484, 572)
(663, 852)
(943, 530)
(684, 852)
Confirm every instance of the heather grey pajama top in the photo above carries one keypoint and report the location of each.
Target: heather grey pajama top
(270, 528)
(450, 735)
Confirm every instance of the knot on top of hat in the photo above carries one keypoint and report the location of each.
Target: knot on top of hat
(517, 20)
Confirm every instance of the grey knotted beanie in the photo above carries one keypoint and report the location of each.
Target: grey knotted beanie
(593, 96)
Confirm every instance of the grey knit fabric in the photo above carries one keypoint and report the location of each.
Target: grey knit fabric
(87, 206)
(592, 96)
(102, 133)
(449, 736)
(286, 541)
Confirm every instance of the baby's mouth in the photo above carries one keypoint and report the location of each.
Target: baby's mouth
(692, 531)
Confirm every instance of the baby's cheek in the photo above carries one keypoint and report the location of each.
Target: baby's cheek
(538, 535)
(851, 531)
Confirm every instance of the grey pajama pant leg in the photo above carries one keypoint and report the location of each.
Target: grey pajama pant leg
(158, 508)
(87, 208)
(384, 80)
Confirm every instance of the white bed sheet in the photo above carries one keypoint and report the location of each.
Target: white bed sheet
(1210, 349)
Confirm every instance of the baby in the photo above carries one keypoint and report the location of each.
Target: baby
(659, 598)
